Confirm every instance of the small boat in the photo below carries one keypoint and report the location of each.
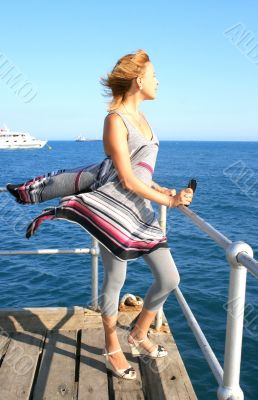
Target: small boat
(19, 140)
(83, 139)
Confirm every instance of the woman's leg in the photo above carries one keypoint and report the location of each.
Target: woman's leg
(166, 280)
(66, 184)
(114, 278)
(58, 183)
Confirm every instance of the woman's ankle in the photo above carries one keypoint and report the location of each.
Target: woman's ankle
(112, 344)
(138, 334)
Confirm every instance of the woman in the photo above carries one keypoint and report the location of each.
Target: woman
(112, 201)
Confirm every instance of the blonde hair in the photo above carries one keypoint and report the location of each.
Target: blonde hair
(119, 81)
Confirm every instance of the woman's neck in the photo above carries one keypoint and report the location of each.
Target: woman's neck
(126, 109)
(131, 105)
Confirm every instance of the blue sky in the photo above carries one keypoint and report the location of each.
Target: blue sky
(208, 85)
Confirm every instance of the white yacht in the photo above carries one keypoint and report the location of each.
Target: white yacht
(19, 140)
(83, 139)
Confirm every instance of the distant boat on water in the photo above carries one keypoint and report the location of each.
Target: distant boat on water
(83, 139)
(19, 140)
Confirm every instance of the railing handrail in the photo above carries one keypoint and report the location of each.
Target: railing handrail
(85, 250)
(248, 261)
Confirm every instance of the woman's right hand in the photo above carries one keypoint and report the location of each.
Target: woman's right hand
(184, 197)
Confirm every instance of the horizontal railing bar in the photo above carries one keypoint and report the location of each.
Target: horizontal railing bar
(200, 337)
(222, 240)
(46, 251)
(250, 263)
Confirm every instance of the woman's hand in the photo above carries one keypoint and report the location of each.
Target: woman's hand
(184, 197)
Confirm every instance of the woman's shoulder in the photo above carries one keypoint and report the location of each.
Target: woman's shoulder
(117, 119)
(114, 121)
(115, 111)
(114, 115)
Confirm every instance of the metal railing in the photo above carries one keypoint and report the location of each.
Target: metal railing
(240, 258)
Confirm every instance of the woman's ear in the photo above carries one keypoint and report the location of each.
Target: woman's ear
(139, 81)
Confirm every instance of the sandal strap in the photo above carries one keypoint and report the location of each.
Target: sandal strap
(112, 352)
(138, 341)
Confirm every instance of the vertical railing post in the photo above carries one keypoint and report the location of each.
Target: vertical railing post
(94, 273)
(163, 223)
(230, 388)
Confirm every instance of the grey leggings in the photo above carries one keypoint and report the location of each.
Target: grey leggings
(163, 268)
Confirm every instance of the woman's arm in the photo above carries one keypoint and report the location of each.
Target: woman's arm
(154, 185)
(163, 189)
(137, 186)
(115, 136)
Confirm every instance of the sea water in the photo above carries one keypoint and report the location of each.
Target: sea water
(226, 197)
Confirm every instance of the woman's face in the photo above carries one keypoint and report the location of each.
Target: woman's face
(149, 82)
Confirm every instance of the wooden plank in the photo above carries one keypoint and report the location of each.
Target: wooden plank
(42, 310)
(166, 377)
(19, 365)
(184, 375)
(4, 341)
(57, 369)
(52, 318)
(127, 389)
(93, 380)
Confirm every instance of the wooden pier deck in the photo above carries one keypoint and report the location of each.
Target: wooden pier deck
(55, 353)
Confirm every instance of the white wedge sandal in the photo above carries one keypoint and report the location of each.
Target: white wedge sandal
(137, 351)
(127, 373)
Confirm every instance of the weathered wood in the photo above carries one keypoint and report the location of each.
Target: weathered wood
(93, 382)
(57, 370)
(52, 318)
(63, 367)
(173, 381)
(19, 365)
(174, 352)
(4, 341)
(127, 389)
